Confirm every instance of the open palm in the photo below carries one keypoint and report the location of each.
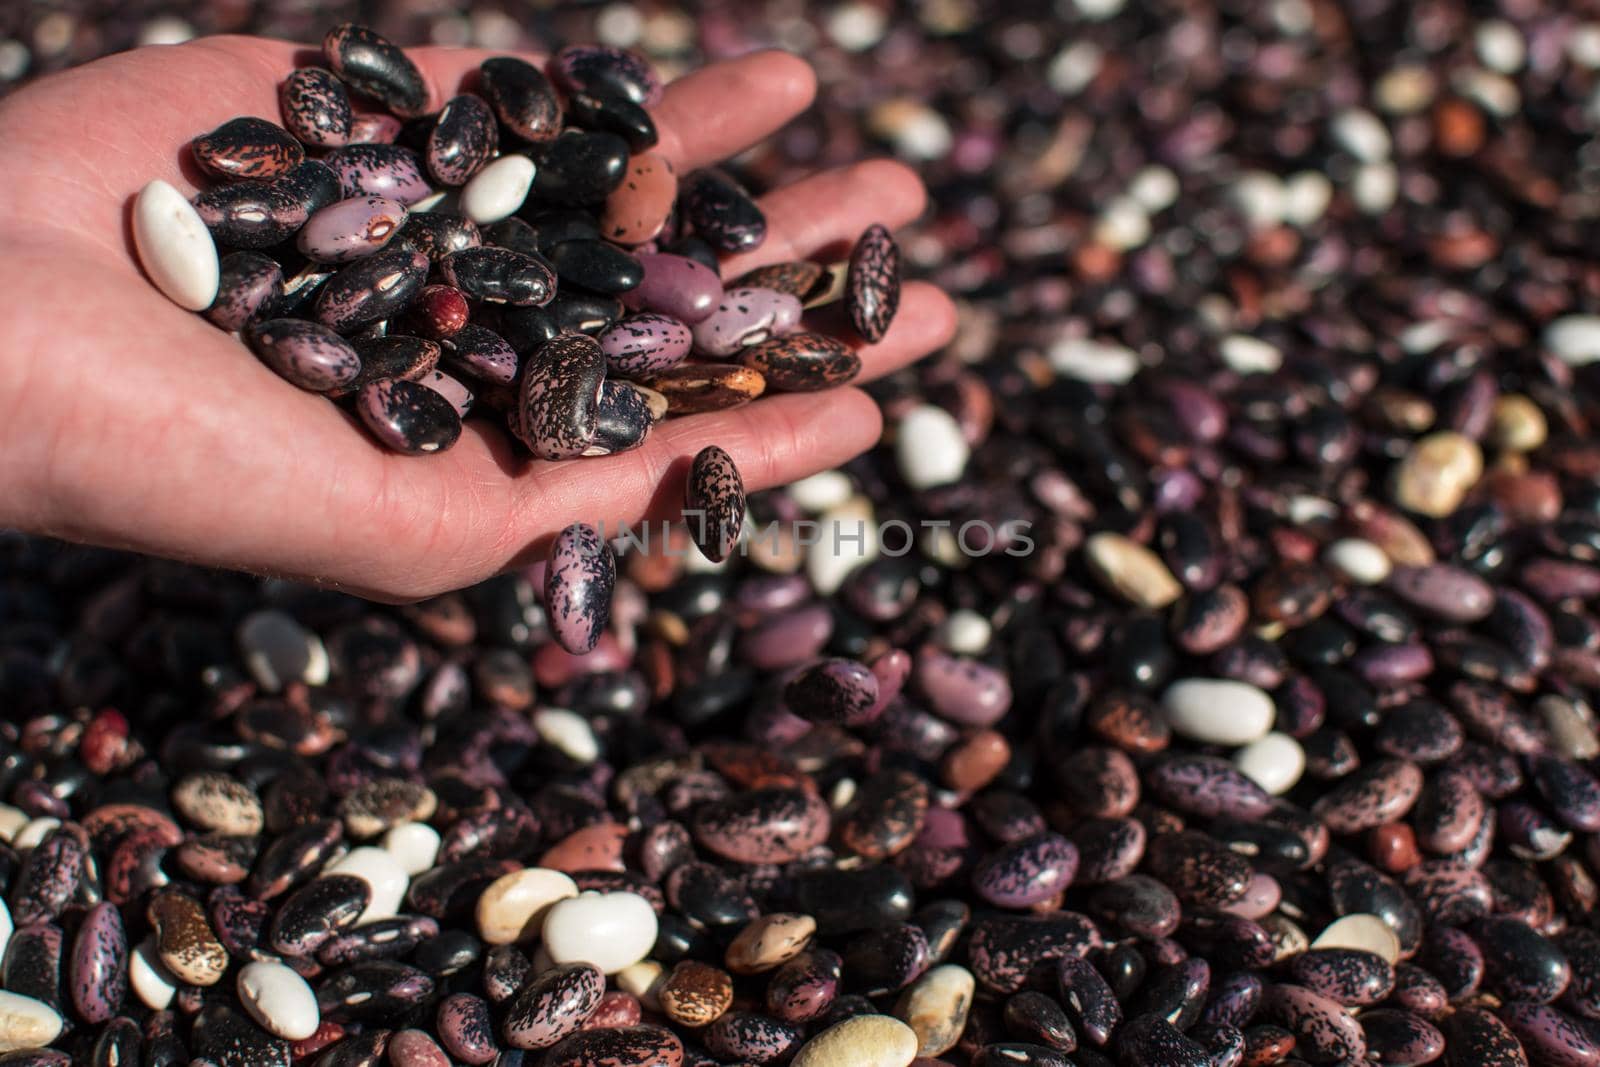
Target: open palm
(127, 421)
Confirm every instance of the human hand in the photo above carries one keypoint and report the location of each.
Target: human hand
(129, 422)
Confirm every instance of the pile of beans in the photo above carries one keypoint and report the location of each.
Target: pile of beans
(1273, 743)
(559, 273)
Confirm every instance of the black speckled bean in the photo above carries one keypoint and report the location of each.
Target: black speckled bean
(1448, 893)
(1475, 1038)
(1005, 949)
(33, 961)
(1207, 786)
(247, 148)
(1418, 992)
(596, 265)
(577, 588)
(798, 278)
(449, 891)
(500, 276)
(1176, 993)
(98, 976)
(722, 212)
(249, 214)
(872, 286)
(1519, 962)
(250, 289)
(944, 922)
(1234, 1000)
(317, 911)
(1198, 868)
(309, 355)
(803, 988)
(371, 289)
(580, 168)
(305, 190)
(763, 826)
(463, 139)
(1271, 842)
(611, 112)
(51, 875)
(393, 356)
(1523, 626)
(374, 66)
(843, 901)
(579, 312)
(1400, 1038)
(368, 1048)
(558, 402)
(622, 420)
(378, 939)
(1149, 1041)
(553, 1005)
(713, 502)
(481, 353)
(750, 1038)
(522, 97)
(1019, 1054)
(316, 107)
(1571, 791)
(294, 856)
(437, 235)
(377, 991)
(1037, 1018)
(239, 922)
(1355, 887)
(118, 1044)
(1455, 960)
(1529, 833)
(1139, 904)
(594, 66)
(1350, 976)
(1549, 1036)
(229, 1039)
(387, 170)
(1582, 949)
(803, 362)
(617, 1047)
(542, 230)
(408, 417)
(1229, 940)
(1324, 1031)
(504, 968)
(1226, 1044)
(885, 959)
(1089, 1000)
(1108, 849)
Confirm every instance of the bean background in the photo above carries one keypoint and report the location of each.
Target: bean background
(1277, 328)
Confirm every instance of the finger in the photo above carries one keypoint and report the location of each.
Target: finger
(718, 111)
(705, 116)
(821, 217)
(480, 511)
(925, 323)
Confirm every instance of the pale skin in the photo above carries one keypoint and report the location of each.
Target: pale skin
(126, 421)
